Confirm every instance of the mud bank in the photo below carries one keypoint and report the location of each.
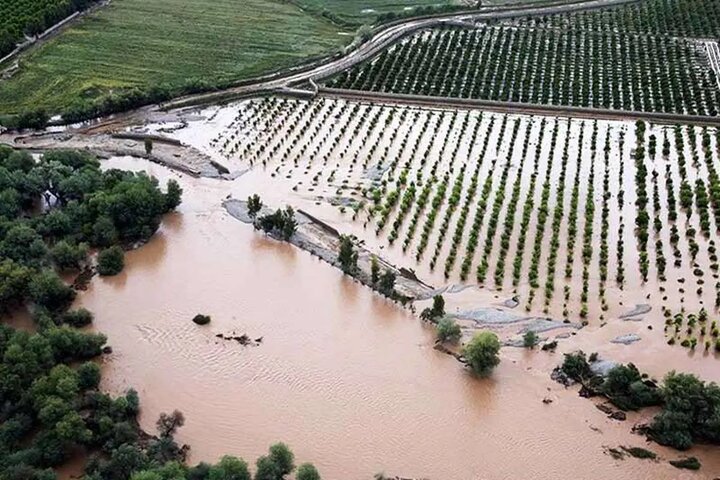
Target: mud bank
(323, 241)
(165, 152)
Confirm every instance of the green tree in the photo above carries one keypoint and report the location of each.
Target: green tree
(347, 256)
(229, 468)
(691, 412)
(104, 232)
(625, 387)
(47, 290)
(283, 458)
(111, 261)
(69, 256)
(88, 376)
(168, 424)
(437, 310)
(530, 339)
(481, 353)
(24, 245)
(448, 331)
(266, 469)
(307, 471)
(14, 281)
(78, 318)
(173, 197)
(387, 283)
(254, 205)
(374, 270)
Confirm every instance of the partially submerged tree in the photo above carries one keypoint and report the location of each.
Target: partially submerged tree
(307, 471)
(448, 331)
(374, 270)
(530, 339)
(254, 205)
(281, 223)
(348, 255)
(482, 352)
(111, 261)
(432, 314)
(387, 283)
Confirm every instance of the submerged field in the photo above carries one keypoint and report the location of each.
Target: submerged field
(140, 43)
(578, 220)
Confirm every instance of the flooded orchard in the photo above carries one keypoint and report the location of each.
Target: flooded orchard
(349, 380)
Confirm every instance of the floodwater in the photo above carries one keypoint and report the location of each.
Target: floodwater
(349, 380)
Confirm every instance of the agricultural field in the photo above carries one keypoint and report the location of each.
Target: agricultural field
(699, 19)
(547, 66)
(140, 43)
(577, 219)
(20, 17)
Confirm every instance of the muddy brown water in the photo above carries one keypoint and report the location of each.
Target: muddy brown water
(350, 381)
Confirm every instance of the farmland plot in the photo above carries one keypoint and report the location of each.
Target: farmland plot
(699, 19)
(575, 218)
(554, 66)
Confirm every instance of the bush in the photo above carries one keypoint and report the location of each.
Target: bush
(481, 353)
(448, 331)
(111, 261)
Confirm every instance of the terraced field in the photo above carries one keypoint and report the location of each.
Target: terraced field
(575, 218)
